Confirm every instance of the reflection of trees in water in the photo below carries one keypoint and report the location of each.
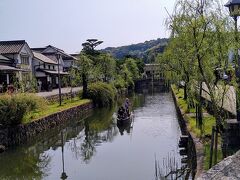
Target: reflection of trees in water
(98, 129)
(26, 164)
(171, 169)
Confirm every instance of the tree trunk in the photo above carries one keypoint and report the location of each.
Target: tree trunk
(200, 113)
(85, 85)
(216, 146)
(211, 147)
(185, 91)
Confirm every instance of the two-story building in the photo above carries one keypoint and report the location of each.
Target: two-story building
(66, 61)
(46, 63)
(45, 71)
(16, 62)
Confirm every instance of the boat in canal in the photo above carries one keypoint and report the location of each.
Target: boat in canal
(123, 117)
(125, 124)
(125, 120)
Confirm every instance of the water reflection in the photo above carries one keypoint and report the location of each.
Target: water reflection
(64, 174)
(125, 128)
(170, 168)
(25, 164)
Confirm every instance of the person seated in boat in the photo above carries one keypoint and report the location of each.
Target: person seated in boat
(126, 105)
(121, 113)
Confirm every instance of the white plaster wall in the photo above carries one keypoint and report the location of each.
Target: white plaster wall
(40, 74)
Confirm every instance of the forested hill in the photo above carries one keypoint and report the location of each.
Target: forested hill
(147, 50)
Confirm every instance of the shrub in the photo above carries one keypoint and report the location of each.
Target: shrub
(102, 94)
(14, 107)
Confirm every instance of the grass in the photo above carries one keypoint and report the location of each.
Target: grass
(208, 123)
(181, 102)
(207, 155)
(53, 108)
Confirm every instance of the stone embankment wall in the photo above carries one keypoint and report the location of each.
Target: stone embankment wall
(229, 168)
(194, 147)
(19, 134)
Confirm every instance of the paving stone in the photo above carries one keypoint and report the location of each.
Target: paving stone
(228, 169)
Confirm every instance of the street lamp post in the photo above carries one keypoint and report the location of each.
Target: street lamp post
(234, 9)
(59, 80)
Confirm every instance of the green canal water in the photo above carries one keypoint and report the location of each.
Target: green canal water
(94, 148)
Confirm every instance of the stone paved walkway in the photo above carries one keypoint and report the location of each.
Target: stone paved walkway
(55, 91)
(229, 168)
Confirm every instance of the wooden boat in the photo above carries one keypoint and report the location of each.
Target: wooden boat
(124, 120)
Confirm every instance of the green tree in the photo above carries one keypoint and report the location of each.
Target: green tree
(84, 65)
(107, 67)
(132, 68)
(204, 31)
(90, 45)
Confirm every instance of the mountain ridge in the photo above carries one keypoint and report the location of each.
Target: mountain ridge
(146, 50)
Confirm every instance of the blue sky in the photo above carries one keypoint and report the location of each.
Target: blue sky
(68, 23)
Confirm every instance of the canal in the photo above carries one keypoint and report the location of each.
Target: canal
(94, 148)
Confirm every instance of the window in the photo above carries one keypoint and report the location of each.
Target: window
(25, 59)
(49, 67)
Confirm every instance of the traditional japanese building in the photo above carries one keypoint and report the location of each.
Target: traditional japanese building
(46, 72)
(15, 62)
(66, 61)
(47, 60)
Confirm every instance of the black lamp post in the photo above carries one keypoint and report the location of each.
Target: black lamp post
(59, 80)
(234, 9)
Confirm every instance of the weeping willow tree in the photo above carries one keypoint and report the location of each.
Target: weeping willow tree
(198, 50)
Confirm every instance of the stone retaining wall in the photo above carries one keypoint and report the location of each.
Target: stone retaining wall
(195, 147)
(24, 132)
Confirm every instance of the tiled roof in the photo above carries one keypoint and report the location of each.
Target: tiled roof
(52, 57)
(232, 2)
(65, 55)
(43, 58)
(11, 47)
(38, 49)
(75, 55)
